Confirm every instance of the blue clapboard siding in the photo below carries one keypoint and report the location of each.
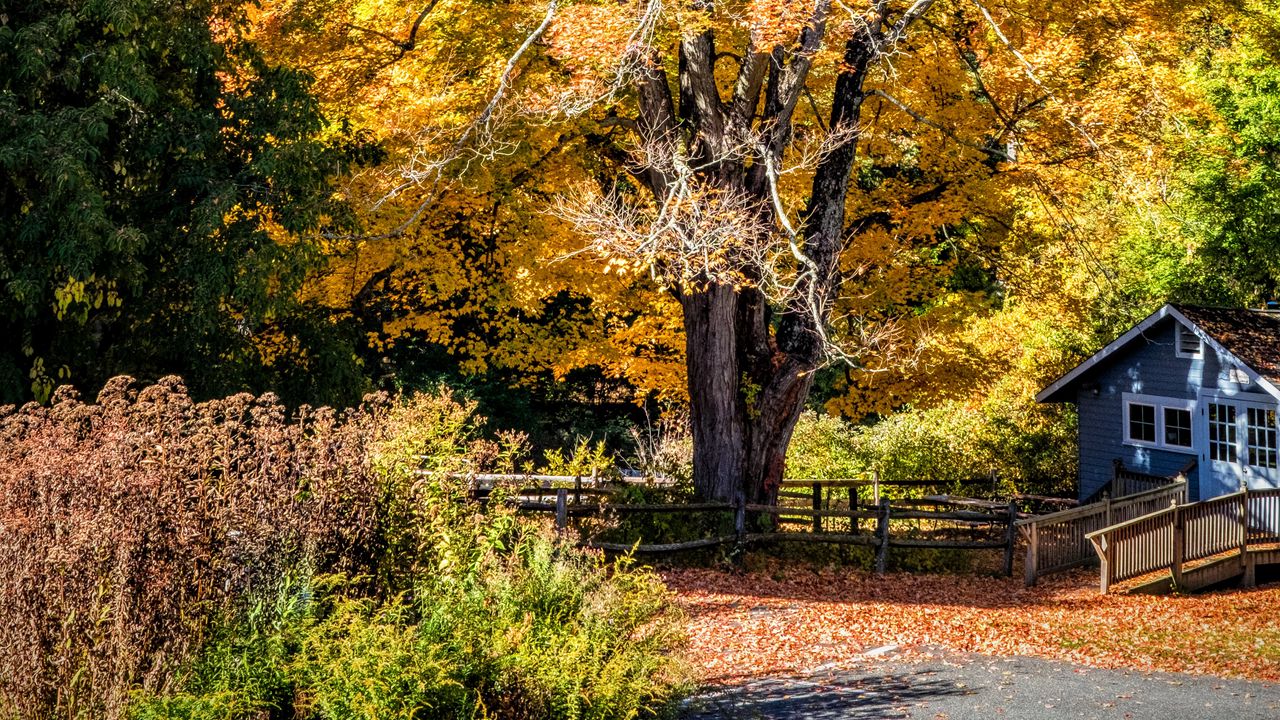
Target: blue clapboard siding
(1149, 366)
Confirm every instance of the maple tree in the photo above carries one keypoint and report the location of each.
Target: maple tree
(904, 117)
(783, 176)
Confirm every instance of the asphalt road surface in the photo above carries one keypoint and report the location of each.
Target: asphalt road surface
(953, 686)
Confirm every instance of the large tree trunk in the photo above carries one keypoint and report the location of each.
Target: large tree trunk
(748, 375)
(715, 405)
(745, 396)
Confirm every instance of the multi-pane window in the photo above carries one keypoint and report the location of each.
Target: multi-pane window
(1177, 427)
(1159, 422)
(1222, 432)
(1260, 437)
(1142, 422)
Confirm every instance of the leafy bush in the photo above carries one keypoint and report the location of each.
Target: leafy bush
(166, 559)
(1030, 448)
(824, 447)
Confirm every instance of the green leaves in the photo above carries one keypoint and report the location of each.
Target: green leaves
(158, 185)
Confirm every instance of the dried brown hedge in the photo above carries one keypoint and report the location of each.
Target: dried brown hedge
(127, 524)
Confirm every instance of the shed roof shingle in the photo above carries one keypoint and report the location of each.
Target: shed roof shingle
(1253, 336)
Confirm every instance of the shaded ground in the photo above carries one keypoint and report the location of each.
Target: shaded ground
(749, 626)
(944, 685)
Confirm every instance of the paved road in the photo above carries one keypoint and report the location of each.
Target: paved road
(976, 687)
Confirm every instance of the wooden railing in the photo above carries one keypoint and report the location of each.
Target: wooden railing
(1059, 541)
(1171, 538)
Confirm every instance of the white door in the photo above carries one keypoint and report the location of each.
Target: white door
(1259, 456)
(1239, 446)
(1221, 453)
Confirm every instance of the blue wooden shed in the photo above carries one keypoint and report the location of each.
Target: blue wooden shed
(1187, 383)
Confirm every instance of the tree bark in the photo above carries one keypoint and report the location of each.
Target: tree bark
(748, 376)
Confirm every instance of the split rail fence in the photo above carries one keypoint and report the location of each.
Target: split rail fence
(830, 512)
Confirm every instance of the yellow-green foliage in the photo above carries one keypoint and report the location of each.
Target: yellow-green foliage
(1030, 448)
(585, 459)
(472, 614)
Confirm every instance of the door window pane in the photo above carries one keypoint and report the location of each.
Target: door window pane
(1260, 438)
(1222, 432)
(1177, 427)
(1142, 422)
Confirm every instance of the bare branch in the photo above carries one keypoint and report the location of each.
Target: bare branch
(1030, 71)
(988, 151)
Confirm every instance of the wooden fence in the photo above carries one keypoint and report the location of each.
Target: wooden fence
(1059, 541)
(828, 516)
(1180, 534)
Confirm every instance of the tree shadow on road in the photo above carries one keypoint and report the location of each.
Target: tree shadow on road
(847, 696)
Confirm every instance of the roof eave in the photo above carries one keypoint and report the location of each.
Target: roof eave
(1050, 393)
(1218, 347)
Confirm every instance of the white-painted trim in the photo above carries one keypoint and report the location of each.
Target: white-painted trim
(1179, 332)
(1160, 403)
(1137, 331)
(1134, 332)
(1264, 383)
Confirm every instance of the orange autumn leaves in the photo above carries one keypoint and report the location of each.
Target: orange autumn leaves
(480, 273)
(748, 626)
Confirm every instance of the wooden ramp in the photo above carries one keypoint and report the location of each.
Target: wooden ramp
(1189, 547)
(1058, 541)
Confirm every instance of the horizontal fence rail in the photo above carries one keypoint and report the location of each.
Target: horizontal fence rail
(938, 522)
(1059, 541)
(1169, 539)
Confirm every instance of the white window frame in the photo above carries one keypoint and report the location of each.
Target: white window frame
(1182, 332)
(1191, 427)
(1159, 403)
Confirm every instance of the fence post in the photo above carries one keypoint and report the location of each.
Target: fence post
(1011, 538)
(1106, 506)
(1031, 567)
(817, 505)
(855, 525)
(577, 487)
(1179, 546)
(562, 508)
(882, 533)
(740, 518)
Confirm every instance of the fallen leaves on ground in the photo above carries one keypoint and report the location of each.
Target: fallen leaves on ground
(749, 625)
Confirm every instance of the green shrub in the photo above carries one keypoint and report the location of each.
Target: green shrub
(824, 447)
(1029, 447)
(471, 614)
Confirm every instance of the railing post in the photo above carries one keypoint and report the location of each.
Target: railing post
(1244, 529)
(1108, 563)
(1031, 566)
(1011, 538)
(1106, 506)
(817, 506)
(882, 534)
(562, 508)
(1179, 546)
